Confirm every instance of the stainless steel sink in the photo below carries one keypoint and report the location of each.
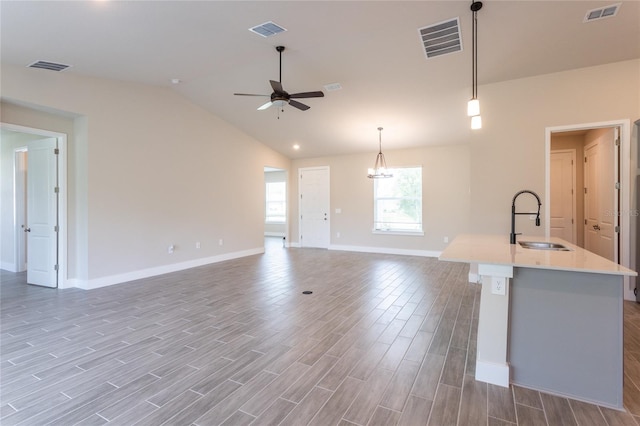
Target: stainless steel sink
(543, 245)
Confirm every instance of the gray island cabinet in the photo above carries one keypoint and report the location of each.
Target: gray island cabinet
(550, 320)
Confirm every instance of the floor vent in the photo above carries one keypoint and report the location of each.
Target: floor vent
(441, 38)
(601, 13)
(267, 29)
(51, 66)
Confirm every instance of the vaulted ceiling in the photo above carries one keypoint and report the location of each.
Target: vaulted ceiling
(372, 49)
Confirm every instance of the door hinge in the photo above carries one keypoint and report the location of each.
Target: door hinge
(572, 162)
(617, 185)
(56, 151)
(616, 229)
(585, 159)
(56, 229)
(572, 221)
(56, 189)
(56, 267)
(617, 142)
(585, 221)
(585, 190)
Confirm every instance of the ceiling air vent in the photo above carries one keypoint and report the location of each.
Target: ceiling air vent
(601, 13)
(441, 38)
(267, 29)
(51, 66)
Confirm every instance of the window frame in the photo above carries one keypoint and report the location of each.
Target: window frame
(407, 232)
(268, 201)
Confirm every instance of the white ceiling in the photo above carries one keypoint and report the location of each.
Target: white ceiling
(371, 48)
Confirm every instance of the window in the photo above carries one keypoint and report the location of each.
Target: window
(276, 202)
(397, 201)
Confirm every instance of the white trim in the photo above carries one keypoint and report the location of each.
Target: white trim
(274, 234)
(407, 233)
(8, 266)
(493, 372)
(62, 195)
(625, 196)
(386, 250)
(159, 270)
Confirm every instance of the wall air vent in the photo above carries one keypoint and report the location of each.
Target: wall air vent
(441, 38)
(267, 29)
(51, 66)
(601, 13)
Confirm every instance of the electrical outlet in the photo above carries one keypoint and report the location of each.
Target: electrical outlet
(498, 285)
(171, 249)
(445, 239)
(197, 244)
(220, 242)
(338, 234)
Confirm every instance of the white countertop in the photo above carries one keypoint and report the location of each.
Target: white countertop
(496, 250)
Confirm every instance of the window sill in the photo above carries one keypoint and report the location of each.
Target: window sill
(407, 233)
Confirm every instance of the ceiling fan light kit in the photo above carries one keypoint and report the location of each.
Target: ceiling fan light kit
(279, 97)
(380, 168)
(473, 106)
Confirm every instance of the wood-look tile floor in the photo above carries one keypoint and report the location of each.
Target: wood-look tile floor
(382, 340)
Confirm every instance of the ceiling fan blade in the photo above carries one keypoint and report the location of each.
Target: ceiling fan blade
(248, 94)
(276, 85)
(299, 105)
(307, 95)
(265, 106)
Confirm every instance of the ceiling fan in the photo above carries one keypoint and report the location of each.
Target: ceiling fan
(279, 97)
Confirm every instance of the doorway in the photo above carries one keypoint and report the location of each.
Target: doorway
(34, 159)
(601, 188)
(275, 216)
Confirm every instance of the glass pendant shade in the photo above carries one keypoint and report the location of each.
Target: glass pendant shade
(379, 170)
(473, 107)
(476, 122)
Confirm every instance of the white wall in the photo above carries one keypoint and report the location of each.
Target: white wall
(156, 172)
(445, 202)
(508, 154)
(469, 187)
(154, 160)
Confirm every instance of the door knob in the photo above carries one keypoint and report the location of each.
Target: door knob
(27, 229)
(596, 227)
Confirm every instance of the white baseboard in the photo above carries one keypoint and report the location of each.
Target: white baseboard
(159, 270)
(293, 245)
(492, 372)
(386, 250)
(474, 278)
(8, 266)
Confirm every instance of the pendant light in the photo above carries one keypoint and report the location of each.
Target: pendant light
(380, 168)
(473, 106)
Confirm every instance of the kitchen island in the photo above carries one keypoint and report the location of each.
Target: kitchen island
(550, 320)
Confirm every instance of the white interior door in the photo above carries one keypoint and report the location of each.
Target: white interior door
(609, 212)
(601, 197)
(42, 213)
(562, 199)
(314, 207)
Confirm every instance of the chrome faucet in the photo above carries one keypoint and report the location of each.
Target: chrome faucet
(512, 236)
